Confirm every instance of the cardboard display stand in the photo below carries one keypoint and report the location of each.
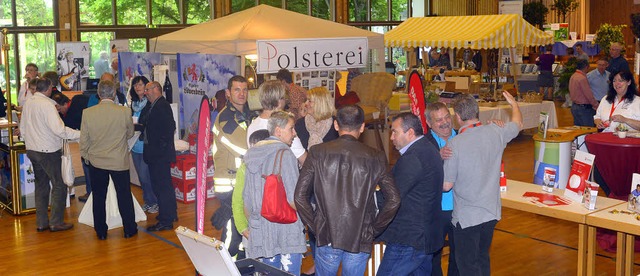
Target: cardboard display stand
(211, 258)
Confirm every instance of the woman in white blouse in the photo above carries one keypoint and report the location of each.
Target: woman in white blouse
(620, 105)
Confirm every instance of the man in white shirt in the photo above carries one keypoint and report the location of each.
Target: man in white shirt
(43, 132)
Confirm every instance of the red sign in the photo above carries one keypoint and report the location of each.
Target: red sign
(416, 95)
(202, 154)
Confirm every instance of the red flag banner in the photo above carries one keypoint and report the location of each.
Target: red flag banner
(416, 96)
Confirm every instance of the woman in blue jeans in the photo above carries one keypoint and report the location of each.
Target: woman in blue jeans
(138, 102)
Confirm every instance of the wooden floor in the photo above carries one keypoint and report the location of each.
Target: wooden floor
(524, 244)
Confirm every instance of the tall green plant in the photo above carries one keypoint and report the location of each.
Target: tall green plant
(607, 34)
(535, 13)
(562, 7)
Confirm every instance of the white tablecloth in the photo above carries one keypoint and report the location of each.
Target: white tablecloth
(530, 114)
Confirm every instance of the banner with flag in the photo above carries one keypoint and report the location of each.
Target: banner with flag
(416, 96)
(202, 155)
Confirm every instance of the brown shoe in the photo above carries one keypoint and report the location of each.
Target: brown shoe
(83, 198)
(60, 227)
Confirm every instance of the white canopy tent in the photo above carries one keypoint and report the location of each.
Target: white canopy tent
(237, 33)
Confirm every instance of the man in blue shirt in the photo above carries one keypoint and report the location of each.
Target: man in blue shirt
(599, 79)
(441, 131)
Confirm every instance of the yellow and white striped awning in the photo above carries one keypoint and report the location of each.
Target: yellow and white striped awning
(475, 32)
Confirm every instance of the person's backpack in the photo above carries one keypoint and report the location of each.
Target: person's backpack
(275, 207)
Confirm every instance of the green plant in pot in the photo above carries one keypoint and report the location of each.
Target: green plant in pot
(563, 7)
(535, 13)
(607, 34)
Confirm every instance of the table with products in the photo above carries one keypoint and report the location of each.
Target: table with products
(626, 224)
(574, 212)
(616, 159)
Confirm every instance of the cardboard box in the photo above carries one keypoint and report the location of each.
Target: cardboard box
(185, 167)
(185, 190)
(192, 142)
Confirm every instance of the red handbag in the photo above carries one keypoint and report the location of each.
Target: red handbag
(275, 207)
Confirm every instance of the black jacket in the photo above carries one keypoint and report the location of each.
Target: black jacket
(419, 175)
(343, 175)
(159, 127)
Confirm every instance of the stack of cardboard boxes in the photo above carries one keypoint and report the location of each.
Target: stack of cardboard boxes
(183, 175)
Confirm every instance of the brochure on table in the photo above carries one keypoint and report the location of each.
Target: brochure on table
(579, 174)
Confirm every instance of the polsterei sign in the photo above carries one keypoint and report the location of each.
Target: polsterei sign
(311, 54)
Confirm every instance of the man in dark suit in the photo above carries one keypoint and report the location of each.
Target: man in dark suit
(158, 128)
(103, 145)
(414, 235)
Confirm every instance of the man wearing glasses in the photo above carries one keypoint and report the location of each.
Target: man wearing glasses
(617, 62)
(157, 126)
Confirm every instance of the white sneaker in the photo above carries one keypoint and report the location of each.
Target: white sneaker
(153, 209)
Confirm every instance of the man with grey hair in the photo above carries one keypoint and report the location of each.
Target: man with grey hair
(43, 132)
(473, 172)
(276, 244)
(617, 62)
(104, 148)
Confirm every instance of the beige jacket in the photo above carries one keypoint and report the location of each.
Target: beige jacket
(105, 129)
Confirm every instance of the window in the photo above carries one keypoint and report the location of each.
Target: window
(165, 12)
(131, 12)
(95, 12)
(34, 12)
(99, 42)
(5, 13)
(300, 6)
(321, 9)
(198, 11)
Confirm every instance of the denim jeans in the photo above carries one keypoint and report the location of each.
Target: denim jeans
(328, 261)
(401, 259)
(472, 248)
(47, 167)
(288, 262)
(583, 115)
(145, 179)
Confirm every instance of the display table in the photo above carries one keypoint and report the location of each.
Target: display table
(627, 227)
(560, 48)
(554, 153)
(616, 159)
(573, 212)
(530, 113)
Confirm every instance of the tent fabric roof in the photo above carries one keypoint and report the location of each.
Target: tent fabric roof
(237, 33)
(475, 32)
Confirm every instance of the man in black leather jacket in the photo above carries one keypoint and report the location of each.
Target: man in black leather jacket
(343, 175)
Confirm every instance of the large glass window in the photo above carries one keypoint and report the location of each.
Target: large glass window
(165, 12)
(5, 13)
(379, 10)
(273, 3)
(39, 48)
(358, 10)
(321, 9)
(94, 12)
(300, 6)
(137, 45)
(13, 75)
(399, 10)
(34, 12)
(241, 5)
(131, 12)
(99, 42)
(198, 11)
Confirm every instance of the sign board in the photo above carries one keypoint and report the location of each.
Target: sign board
(510, 7)
(311, 54)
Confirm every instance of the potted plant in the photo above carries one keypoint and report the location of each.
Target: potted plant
(562, 7)
(535, 13)
(607, 34)
(622, 130)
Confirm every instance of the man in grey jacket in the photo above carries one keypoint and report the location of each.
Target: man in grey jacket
(276, 244)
